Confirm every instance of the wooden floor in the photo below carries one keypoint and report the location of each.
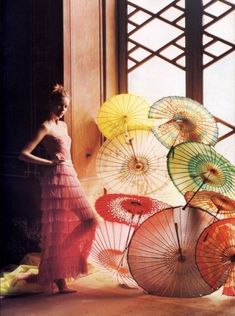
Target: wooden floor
(97, 295)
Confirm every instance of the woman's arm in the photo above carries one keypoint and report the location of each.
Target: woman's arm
(25, 153)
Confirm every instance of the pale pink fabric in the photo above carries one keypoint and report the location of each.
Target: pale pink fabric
(65, 240)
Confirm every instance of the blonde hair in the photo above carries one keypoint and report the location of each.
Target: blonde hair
(57, 93)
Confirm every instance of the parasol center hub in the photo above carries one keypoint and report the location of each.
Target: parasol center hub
(182, 258)
(232, 258)
(213, 171)
(184, 123)
(135, 203)
(212, 175)
(138, 165)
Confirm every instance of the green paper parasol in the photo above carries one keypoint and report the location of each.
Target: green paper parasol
(194, 166)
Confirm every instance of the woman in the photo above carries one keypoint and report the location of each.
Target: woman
(68, 221)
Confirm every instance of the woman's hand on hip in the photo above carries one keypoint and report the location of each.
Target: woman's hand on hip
(59, 158)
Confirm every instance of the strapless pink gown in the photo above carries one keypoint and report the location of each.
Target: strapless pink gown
(64, 210)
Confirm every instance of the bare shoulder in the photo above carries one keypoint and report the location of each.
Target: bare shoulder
(42, 131)
(45, 127)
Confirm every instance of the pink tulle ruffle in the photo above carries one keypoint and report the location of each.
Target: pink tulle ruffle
(67, 226)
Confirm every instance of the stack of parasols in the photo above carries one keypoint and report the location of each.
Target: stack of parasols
(178, 251)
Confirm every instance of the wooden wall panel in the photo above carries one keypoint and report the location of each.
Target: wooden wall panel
(111, 46)
(82, 76)
(90, 73)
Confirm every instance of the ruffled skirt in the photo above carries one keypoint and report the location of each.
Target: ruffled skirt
(68, 225)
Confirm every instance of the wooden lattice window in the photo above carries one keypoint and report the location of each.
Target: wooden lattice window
(182, 48)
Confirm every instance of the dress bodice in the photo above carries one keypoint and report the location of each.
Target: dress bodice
(58, 144)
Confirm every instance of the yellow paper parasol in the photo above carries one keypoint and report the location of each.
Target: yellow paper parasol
(123, 112)
(181, 119)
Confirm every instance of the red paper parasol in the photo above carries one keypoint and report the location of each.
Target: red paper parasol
(128, 209)
(109, 251)
(217, 204)
(215, 255)
(161, 253)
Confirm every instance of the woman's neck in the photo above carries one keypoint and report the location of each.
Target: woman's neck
(53, 118)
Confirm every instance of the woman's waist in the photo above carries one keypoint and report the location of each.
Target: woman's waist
(67, 162)
(61, 169)
(62, 157)
(61, 162)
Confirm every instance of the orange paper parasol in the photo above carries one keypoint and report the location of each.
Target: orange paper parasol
(219, 205)
(215, 255)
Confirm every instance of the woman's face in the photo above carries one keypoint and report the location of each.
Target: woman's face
(60, 108)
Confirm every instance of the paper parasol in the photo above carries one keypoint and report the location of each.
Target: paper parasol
(128, 209)
(123, 112)
(215, 255)
(109, 251)
(133, 165)
(161, 253)
(181, 119)
(215, 203)
(193, 166)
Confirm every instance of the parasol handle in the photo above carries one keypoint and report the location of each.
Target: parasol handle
(132, 147)
(178, 240)
(173, 147)
(204, 181)
(129, 231)
(122, 259)
(127, 243)
(217, 213)
(126, 126)
(127, 239)
(139, 217)
(171, 151)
